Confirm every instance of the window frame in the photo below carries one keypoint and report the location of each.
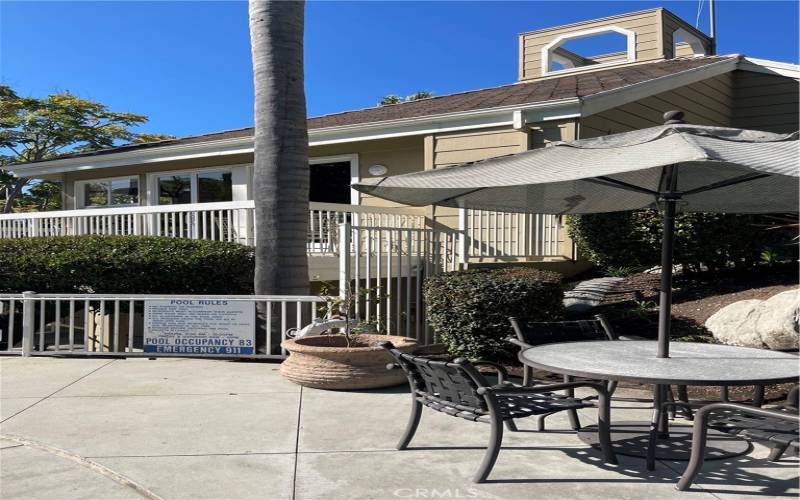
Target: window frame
(152, 181)
(80, 193)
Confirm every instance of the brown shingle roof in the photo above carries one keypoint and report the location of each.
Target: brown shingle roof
(577, 85)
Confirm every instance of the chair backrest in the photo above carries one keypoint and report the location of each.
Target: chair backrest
(548, 332)
(450, 382)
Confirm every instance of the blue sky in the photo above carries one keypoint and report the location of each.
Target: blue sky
(187, 64)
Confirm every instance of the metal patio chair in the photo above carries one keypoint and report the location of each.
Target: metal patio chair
(776, 427)
(456, 388)
(532, 333)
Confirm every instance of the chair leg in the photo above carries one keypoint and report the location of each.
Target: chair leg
(612, 387)
(604, 427)
(511, 425)
(655, 424)
(699, 435)
(724, 393)
(683, 397)
(413, 423)
(527, 375)
(758, 396)
(776, 453)
(574, 421)
(671, 399)
(490, 457)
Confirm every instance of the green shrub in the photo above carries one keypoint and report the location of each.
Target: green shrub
(632, 240)
(469, 310)
(125, 264)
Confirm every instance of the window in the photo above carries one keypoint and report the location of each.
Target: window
(122, 191)
(174, 189)
(330, 182)
(194, 187)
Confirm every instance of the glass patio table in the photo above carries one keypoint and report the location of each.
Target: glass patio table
(689, 364)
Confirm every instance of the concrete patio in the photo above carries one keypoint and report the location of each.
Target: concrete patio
(186, 429)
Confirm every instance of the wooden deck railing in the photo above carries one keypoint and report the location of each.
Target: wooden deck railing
(483, 234)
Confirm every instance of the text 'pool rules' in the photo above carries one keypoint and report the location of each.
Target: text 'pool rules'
(199, 326)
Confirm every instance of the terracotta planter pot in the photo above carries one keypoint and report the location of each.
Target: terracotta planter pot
(325, 362)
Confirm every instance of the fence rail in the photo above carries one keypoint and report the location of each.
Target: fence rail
(113, 324)
(500, 234)
(224, 221)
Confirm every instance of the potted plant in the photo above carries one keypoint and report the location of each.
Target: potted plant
(350, 358)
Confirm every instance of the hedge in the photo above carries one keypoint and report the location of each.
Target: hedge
(125, 264)
(469, 310)
(632, 240)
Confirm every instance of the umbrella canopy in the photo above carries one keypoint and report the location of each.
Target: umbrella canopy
(714, 169)
(673, 167)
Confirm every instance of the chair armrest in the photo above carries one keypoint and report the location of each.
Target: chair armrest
(506, 390)
(518, 342)
(747, 409)
(631, 337)
(502, 373)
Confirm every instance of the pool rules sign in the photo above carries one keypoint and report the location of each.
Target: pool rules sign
(199, 326)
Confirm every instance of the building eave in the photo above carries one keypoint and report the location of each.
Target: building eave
(609, 99)
(467, 120)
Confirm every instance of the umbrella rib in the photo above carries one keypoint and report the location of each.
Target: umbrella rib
(726, 183)
(607, 181)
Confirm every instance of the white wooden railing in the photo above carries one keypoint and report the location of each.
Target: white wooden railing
(483, 234)
(226, 221)
(500, 234)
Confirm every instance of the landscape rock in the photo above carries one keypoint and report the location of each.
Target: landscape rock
(778, 321)
(773, 323)
(734, 324)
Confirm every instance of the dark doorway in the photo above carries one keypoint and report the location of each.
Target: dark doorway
(330, 182)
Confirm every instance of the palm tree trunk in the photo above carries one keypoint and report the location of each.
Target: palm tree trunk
(281, 173)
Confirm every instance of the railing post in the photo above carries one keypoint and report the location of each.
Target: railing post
(462, 236)
(344, 259)
(28, 322)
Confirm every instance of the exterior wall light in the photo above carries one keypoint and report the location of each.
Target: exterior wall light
(377, 170)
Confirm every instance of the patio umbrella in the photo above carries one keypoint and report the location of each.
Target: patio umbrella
(672, 167)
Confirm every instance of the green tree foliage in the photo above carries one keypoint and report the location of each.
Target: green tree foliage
(396, 99)
(632, 240)
(469, 310)
(34, 129)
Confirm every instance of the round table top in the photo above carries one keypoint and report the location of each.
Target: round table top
(689, 363)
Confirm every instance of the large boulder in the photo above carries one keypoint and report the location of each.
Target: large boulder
(778, 321)
(734, 324)
(771, 323)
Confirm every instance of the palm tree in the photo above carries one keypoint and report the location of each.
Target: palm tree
(281, 173)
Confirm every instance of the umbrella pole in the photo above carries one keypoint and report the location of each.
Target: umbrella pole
(665, 295)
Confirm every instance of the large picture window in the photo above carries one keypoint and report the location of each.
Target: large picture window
(98, 193)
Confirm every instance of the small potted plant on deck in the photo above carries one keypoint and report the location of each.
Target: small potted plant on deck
(350, 358)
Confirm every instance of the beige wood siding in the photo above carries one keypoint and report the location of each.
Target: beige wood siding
(645, 24)
(708, 102)
(461, 147)
(653, 29)
(670, 24)
(400, 156)
(765, 102)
